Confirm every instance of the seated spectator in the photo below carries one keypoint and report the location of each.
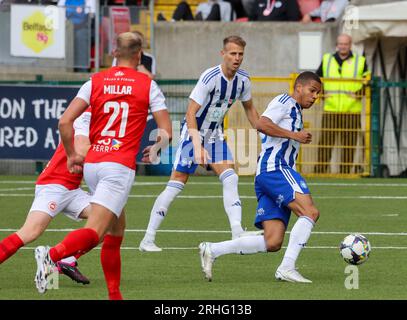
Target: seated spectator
(212, 10)
(329, 11)
(277, 10)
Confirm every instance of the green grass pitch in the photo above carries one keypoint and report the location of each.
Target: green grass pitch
(374, 207)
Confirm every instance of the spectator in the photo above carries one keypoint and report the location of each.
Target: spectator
(342, 105)
(329, 11)
(212, 10)
(277, 10)
(81, 14)
(147, 63)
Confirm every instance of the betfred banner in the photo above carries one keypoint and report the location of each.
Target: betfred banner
(119, 23)
(29, 121)
(37, 31)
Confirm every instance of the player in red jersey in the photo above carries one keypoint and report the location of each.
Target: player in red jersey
(120, 99)
(56, 190)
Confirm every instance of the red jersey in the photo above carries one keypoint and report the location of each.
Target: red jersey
(56, 171)
(120, 99)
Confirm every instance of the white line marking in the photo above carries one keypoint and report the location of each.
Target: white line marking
(241, 196)
(228, 232)
(329, 184)
(196, 248)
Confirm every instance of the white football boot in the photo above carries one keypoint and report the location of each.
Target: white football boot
(291, 275)
(45, 267)
(206, 259)
(149, 246)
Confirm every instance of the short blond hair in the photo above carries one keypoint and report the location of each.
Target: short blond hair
(127, 45)
(234, 39)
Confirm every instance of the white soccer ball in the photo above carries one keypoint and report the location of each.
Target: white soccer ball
(355, 249)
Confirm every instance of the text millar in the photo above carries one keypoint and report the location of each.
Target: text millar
(116, 89)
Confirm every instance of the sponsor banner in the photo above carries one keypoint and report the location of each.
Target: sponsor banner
(37, 31)
(29, 121)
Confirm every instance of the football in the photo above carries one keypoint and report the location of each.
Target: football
(355, 249)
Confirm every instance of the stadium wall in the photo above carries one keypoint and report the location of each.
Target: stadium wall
(272, 48)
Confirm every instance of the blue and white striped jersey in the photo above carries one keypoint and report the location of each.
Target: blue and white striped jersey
(216, 94)
(276, 153)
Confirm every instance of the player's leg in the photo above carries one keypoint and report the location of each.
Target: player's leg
(269, 242)
(303, 206)
(34, 226)
(112, 184)
(183, 167)
(77, 209)
(222, 164)
(111, 259)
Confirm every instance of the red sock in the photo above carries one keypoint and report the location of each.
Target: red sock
(9, 246)
(78, 241)
(111, 264)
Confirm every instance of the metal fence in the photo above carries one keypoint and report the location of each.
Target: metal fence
(345, 152)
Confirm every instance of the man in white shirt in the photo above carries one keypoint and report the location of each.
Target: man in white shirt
(279, 188)
(202, 141)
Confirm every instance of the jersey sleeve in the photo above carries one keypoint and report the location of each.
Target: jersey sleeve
(85, 91)
(157, 99)
(275, 111)
(82, 123)
(247, 91)
(200, 91)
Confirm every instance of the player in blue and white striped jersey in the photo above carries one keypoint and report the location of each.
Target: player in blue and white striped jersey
(279, 188)
(202, 141)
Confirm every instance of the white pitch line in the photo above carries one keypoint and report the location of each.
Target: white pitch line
(228, 232)
(17, 189)
(328, 184)
(196, 248)
(242, 196)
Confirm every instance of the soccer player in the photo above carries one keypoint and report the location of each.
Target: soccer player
(56, 190)
(120, 99)
(279, 188)
(202, 141)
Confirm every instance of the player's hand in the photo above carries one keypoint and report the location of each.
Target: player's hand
(150, 155)
(201, 156)
(303, 137)
(75, 163)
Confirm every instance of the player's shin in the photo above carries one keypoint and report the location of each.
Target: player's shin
(231, 200)
(243, 245)
(9, 246)
(299, 236)
(81, 240)
(160, 208)
(111, 264)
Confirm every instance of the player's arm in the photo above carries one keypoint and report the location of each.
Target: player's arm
(162, 118)
(200, 154)
(81, 126)
(251, 112)
(164, 136)
(268, 127)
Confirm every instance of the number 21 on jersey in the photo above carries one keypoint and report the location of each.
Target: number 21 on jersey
(116, 106)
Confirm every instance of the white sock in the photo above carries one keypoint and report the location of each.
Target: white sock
(243, 245)
(231, 201)
(160, 208)
(299, 236)
(69, 260)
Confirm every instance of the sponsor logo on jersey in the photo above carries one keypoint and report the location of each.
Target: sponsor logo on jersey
(116, 144)
(303, 184)
(119, 74)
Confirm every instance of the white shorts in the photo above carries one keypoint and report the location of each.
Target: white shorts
(55, 198)
(109, 183)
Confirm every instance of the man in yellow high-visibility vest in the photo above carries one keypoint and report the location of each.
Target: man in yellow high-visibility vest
(342, 104)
